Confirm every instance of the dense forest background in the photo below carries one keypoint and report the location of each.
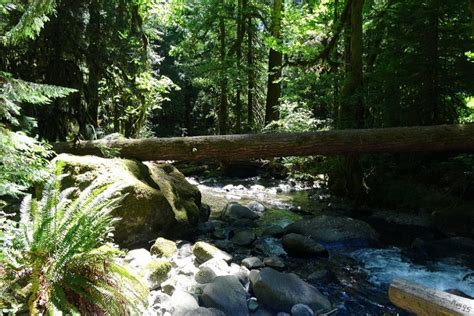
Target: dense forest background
(179, 68)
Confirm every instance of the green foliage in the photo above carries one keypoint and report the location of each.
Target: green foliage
(23, 162)
(59, 256)
(14, 92)
(34, 15)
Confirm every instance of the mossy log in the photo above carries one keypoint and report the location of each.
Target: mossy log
(458, 138)
(424, 301)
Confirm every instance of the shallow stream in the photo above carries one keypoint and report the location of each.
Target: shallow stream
(360, 275)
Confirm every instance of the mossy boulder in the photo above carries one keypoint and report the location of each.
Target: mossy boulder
(156, 272)
(159, 200)
(204, 252)
(163, 248)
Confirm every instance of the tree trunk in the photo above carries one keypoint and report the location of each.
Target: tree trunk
(275, 62)
(241, 147)
(223, 104)
(241, 6)
(424, 301)
(250, 74)
(93, 62)
(430, 98)
(348, 179)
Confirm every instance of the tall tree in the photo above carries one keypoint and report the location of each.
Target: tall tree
(275, 63)
(351, 110)
(223, 111)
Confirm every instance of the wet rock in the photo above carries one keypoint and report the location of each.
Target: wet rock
(235, 211)
(274, 231)
(202, 311)
(274, 262)
(300, 245)
(257, 207)
(262, 312)
(244, 237)
(252, 263)
(243, 223)
(301, 310)
(182, 302)
(206, 227)
(269, 246)
(318, 275)
(227, 294)
(204, 252)
(163, 248)
(329, 229)
(225, 245)
(280, 291)
(252, 304)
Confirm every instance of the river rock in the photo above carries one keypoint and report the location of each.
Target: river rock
(202, 311)
(227, 294)
(244, 237)
(155, 272)
(274, 262)
(182, 302)
(158, 200)
(301, 310)
(204, 252)
(211, 269)
(163, 248)
(269, 246)
(274, 231)
(252, 263)
(328, 229)
(234, 211)
(280, 291)
(252, 304)
(301, 245)
(257, 207)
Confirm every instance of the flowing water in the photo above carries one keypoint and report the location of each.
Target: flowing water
(361, 277)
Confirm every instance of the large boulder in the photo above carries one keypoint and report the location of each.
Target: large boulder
(281, 291)
(333, 229)
(300, 245)
(159, 200)
(227, 294)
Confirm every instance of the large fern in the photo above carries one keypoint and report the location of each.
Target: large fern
(59, 258)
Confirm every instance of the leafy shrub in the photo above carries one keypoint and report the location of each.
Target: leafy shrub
(295, 117)
(58, 256)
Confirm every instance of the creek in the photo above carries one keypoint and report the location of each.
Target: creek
(356, 274)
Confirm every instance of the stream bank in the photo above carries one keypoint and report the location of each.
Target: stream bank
(261, 224)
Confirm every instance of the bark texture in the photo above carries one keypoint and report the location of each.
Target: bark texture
(241, 147)
(428, 302)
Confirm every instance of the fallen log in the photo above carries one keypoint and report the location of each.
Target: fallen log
(241, 147)
(424, 301)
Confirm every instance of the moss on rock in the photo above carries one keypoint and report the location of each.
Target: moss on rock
(159, 200)
(163, 248)
(156, 272)
(204, 252)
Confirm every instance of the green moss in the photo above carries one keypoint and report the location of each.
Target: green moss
(204, 252)
(157, 270)
(272, 217)
(163, 248)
